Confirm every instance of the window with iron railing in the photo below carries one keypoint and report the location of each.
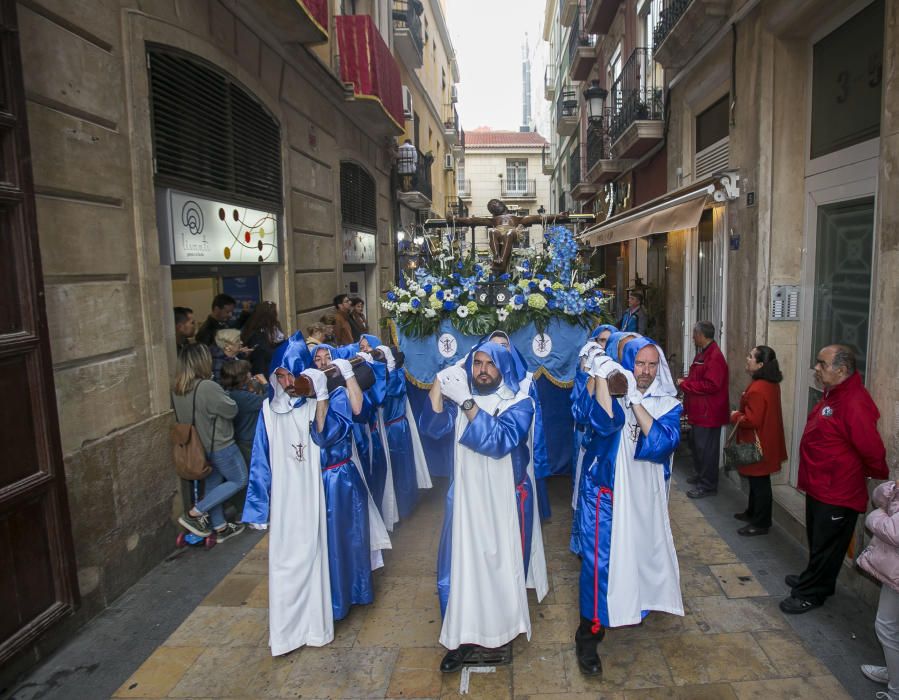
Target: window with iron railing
(407, 15)
(578, 36)
(567, 105)
(574, 166)
(637, 93)
(670, 12)
(525, 189)
(598, 142)
(414, 170)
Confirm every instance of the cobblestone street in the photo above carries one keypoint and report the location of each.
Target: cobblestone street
(732, 643)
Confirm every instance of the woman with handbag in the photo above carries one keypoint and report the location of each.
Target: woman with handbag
(200, 401)
(761, 446)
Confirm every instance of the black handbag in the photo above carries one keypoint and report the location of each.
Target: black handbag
(739, 453)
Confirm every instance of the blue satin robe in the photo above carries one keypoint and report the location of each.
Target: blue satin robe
(494, 436)
(349, 557)
(541, 457)
(399, 442)
(596, 498)
(377, 471)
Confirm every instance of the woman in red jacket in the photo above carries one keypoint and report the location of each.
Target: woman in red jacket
(760, 413)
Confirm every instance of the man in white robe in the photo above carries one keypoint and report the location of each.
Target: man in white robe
(629, 563)
(486, 552)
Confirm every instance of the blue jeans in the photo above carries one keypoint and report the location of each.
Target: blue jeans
(229, 475)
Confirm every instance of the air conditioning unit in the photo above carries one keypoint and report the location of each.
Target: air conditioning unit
(407, 103)
(448, 161)
(454, 94)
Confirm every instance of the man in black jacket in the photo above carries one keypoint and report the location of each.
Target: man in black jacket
(220, 318)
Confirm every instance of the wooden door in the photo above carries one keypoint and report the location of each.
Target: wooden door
(37, 570)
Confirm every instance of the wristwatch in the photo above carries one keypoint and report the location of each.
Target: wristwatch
(468, 404)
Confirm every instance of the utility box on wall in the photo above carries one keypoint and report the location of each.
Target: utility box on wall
(784, 302)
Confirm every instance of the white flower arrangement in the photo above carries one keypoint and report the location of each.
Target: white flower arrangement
(501, 314)
(462, 311)
(545, 284)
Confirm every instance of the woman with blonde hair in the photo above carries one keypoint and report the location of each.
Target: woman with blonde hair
(200, 401)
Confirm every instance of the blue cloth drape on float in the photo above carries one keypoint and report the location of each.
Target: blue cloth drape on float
(551, 356)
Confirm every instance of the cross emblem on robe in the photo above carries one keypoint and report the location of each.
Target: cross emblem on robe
(300, 450)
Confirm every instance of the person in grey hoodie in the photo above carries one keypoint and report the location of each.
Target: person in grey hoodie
(881, 559)
(199, 400)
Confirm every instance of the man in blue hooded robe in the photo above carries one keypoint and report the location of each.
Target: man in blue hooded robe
(487, 555)
(305, 488)
(628, 560)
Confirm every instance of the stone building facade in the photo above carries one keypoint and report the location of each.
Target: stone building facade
(786, 110)
(109, 278)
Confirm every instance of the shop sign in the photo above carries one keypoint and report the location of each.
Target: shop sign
(199, 230)
(359, 247)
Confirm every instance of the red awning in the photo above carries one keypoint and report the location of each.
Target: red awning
(366, 62)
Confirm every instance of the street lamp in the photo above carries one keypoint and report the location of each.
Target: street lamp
(595, 97)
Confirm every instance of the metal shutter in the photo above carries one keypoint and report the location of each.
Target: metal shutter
(209, 134)
(357, 197)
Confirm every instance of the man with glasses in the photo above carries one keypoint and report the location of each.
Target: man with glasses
(840, 448)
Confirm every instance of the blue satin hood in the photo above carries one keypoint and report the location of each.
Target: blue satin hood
(296, 356)
(373, 340)
(613, 342)
(663, 384)
(503, 359)
(604, 327)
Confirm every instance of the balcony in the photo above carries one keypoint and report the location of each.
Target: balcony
(636, 99)
(567, 116)
(602, 166)
(371, 75)
(600, 15)
(451, 131)
(456, 208)
(414, 178)
(568, 10)
(518, 189)
(684, 27)
(463, 189)
(547, 160)
(581, 50)
(580, 187)
(407, 32)
(549, 83)
(293, 21)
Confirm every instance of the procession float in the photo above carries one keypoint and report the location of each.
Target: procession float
(541, 295)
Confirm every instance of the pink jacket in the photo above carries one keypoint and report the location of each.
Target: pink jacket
(881, 557)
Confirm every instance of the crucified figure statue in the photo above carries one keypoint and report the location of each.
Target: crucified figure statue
(503, 229)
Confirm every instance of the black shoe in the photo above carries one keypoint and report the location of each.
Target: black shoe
(797, 606)
(585, 641)
(455, 659)
(752, 531)
(792, 580)
(693, 480)
(744, 516)
(700, 492)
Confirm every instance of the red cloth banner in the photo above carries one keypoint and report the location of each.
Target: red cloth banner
(317, 11)
(366, 62)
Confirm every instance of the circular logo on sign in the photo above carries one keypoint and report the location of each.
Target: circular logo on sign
(542, 345)
(446, 345)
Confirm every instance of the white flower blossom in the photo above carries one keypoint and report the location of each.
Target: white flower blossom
(403, 308)
(462, 311)
(429, 312)
(502, 314)
(421, 293)
(544, 285)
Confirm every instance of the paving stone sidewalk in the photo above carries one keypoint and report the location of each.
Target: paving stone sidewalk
(733, 641)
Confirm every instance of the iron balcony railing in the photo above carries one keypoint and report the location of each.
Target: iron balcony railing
(669, 14)
(574, 167)
(578, 36)
(599, 145)
(456, 208)
(637, 93)
(451, 120)
(407, 15)
(523, 189)
(564, 202)
(463, 188)
(546, 156)
(414, 170)
(566, 105)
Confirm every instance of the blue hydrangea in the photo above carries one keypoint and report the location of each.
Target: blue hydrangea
(415, 303)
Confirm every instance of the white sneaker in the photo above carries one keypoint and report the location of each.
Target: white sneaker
(878, 674)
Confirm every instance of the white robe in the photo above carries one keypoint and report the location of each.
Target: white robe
(643, 569)
(487, 603)
(299, 583)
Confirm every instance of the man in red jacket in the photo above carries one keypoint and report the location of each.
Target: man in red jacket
(707, 407)
(840, 448)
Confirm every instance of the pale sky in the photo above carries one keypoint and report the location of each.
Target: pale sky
(488, 36)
